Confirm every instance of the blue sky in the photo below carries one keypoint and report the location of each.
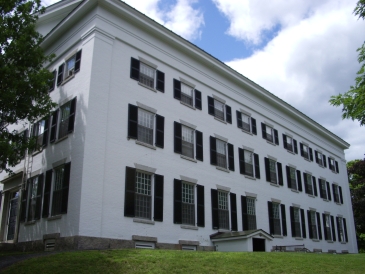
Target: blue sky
(303, 51)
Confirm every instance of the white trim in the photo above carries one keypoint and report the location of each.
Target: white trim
(275, 200)
(141, 59)
(268, 124)
(219, 99)
(248, 148)
(145, 168)
(188, 179)
(58, 163)
(186, 82)
(187, 124)
(140, 105)
(245, 112)
(224, 188)
(221, 138)
(251, 195)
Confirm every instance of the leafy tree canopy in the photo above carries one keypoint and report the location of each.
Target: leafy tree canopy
(353, 101)
(24, 83)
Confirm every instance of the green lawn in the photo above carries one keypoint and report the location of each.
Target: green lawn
(163, 261)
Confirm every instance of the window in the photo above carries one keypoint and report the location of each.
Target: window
(142, 124)
(40, 133)
(277, 219)
(328, 227)
(310, 184)
(32, 199)
(69, 68)
(333, 165)
(218, 153)
(274, 172)
(147, 75)
(306, 152)
(248, 213)
(270, 134)
(219, 110)
(297, 218)
(52, 81)
(324, 191)
(188, 142)
(188, 203)
(143, 195)
(224, 210)
(294, 178)
(246, 122)
(320, 158)
(187, 94)
(337, 193)
(66, 117)
(56, 190)
(314, 225)
(249, 163)
(341, 229)
(290, 144)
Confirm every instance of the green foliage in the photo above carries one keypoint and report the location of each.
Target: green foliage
(353, 101)
(168, 261)
(24, 82)
(356, 172)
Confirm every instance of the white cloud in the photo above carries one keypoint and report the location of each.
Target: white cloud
(308, 61)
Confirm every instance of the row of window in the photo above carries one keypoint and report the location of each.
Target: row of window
(217, 107)
(144, 193)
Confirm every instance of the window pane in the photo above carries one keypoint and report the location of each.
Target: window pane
(143, 195)
(218, 109)
(188, 206)
(273, 171)
(145, 126)
(246, 122)
(146, 75)
(221, 153)
(248, 162)
(223, 211)
(186, 94)
(65, 115)
(71, 63)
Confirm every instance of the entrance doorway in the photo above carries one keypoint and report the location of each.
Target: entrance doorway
(258, 244)
(12, 216)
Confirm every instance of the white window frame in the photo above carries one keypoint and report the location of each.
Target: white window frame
(314, 222)
(70, 66)
(38, 132)
(184, 138)
(336, 193)
(32, 198)
(306, 152)
(323, 185)
(217, 105)
(270, 132)
(272, 166)
(251, 211)
(54, 188)
(289, 142)
(223, 145)
(145, 125)
(298, 221)
(340, 226)
(185, 97)
(224, 209)
(63, 120)
(332, 164)
(328, 227)
(148, 195)
(144, 78)
(310, 183)
(320, 158)
(249, 154)
(293, 180)
(277, 214)
(246, 117)
(193, 204)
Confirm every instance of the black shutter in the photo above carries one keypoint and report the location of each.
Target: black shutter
(230, 157)
(78, 61)
(328, 191)
(304, 234)
(52, 81)
(345, 229)
(276, 135)
(132, 121)
(314, 185)
(340, 192)
(234, 225)
(45, 132)
(177, 89)
(199, 145)
(244, 213)
(292, 222)
(309, 224)
(306, 183)
(210, 105)
(283, 219)
(200, 205)
(253, 123)
(129, 196)
(284, 141)
(267, 169)
(271, 217)
(324, 161)
(134, 69)
(334, 194)
(213, 151)
(301, 150)
(280, 173)
(333, 228)
(338, 228)
(319, 225)
(160, 83)
(311, 154)
(71, 119)
(47, 193)
(158, 198)
(54, 126)
(60, 74)
(241, 158)
(215, 215)
(239, 119)
(336, 165)
(38, 206)
(316, 156)
(257, 165)
(24, 203)
(263, 129)
(288, 176)
(160, 127)
(198, 99)
(177, 201)
(177, 138)
(228, 114)
(295, 146)
(65, 187)
(299, 179)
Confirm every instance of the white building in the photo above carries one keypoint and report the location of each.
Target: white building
(156, 143)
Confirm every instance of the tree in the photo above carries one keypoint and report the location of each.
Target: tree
(24, 83)
(356, 172)
(353, 101)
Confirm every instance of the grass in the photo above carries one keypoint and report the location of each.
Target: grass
(164, 261)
